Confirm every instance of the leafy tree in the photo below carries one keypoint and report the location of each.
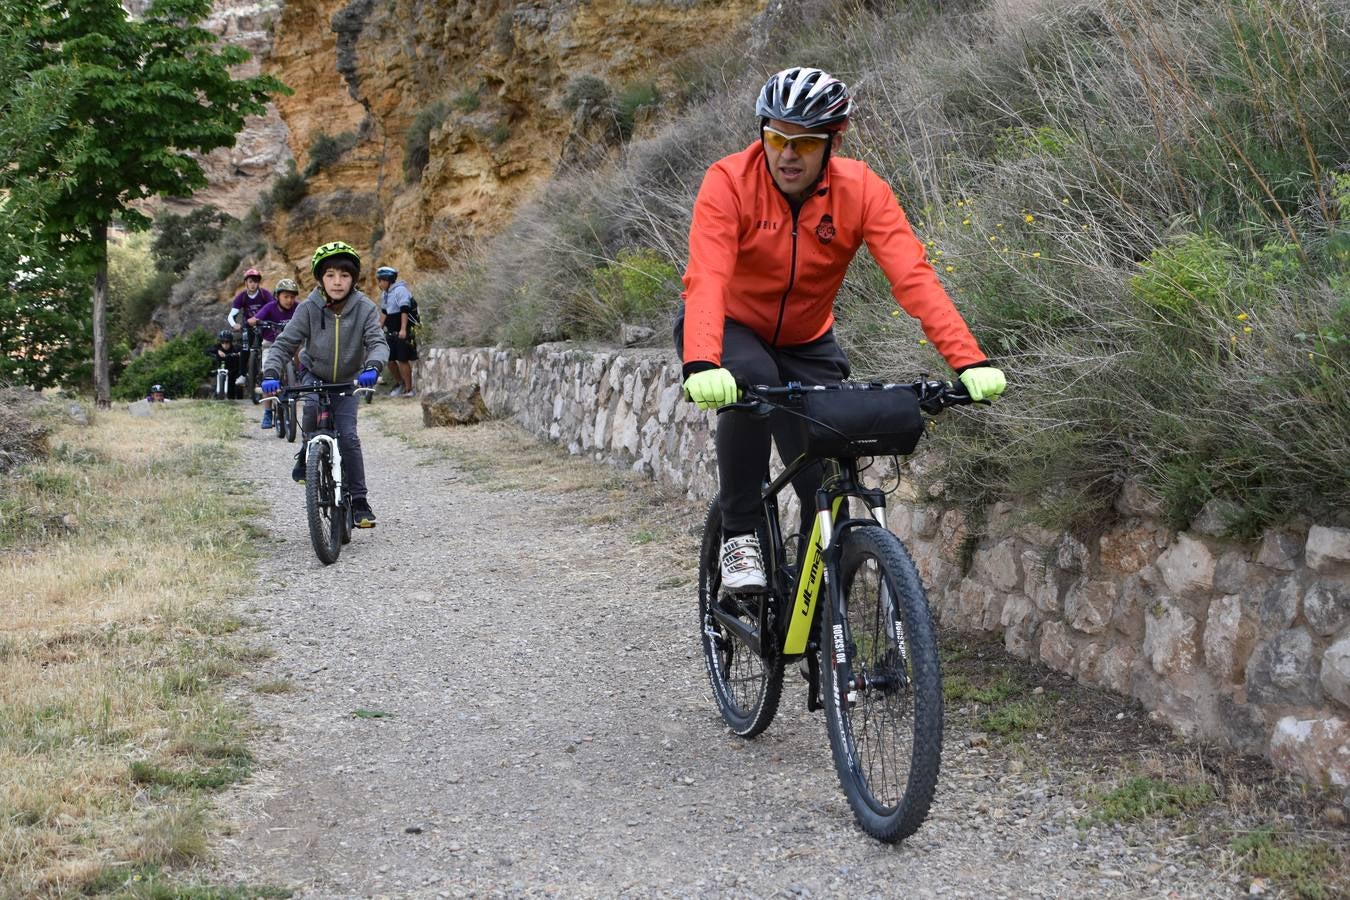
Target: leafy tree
(44, 312)
(148, 94)
(178, 239)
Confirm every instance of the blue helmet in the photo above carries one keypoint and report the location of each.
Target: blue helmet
(389, 273)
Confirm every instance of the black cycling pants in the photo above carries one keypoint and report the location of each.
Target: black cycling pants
(743, 440)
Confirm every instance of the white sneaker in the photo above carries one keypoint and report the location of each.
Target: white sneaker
(742, 566)
(397, 391)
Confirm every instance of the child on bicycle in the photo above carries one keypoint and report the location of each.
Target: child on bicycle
(774, 229)
(247, 302)
(224, 352)
(337, 331)
(280, 309)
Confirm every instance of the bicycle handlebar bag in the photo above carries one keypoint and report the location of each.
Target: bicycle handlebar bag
(861, 420)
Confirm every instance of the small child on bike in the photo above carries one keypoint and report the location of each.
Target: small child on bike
(337, 331)
(224, 351)
(280, 309)
(247, 302)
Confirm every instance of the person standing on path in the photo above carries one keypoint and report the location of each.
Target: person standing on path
(774, 229)
(337, 331)
(396, 316)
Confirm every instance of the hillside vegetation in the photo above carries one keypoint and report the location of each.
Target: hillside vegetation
(1140, 207)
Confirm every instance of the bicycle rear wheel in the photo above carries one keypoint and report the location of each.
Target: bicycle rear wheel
(323, 512)
(745, 685)
(885, 725)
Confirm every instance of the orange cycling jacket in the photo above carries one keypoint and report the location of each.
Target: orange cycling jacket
(753, 261)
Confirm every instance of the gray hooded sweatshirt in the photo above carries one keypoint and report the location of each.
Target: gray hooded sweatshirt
(336, 347)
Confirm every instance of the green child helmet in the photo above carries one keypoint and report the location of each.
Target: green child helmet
(287, 284)
(331, 251)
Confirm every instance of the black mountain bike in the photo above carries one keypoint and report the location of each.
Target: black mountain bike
(283, 410)
(250, 352)
(848, 600)
(328, 503)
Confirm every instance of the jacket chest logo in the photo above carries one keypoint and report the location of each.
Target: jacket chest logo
(766, 225)
(825, 230)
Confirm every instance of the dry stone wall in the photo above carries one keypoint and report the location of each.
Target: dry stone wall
(1247, 644)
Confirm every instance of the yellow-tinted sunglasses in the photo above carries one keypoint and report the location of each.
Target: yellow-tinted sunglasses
(802, 144)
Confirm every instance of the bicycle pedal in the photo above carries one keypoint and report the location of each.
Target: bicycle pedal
(365, 524)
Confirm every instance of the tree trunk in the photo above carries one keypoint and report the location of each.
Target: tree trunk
(102, 390)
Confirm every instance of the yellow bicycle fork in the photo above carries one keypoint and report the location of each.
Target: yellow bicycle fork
(812, 580)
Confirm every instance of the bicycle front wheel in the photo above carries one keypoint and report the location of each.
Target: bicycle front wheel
(321, 507)
(279, 418)
(885, 722)
(254, 365)
(292, 412)
(746, 686)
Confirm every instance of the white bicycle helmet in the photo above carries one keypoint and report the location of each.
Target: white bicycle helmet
(805, 96)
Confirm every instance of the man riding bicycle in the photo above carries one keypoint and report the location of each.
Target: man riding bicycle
(775, 227)
(337, 330)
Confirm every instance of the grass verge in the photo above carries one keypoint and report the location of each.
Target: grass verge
(119, 551)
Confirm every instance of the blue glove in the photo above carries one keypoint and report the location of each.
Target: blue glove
(270, 386)
(369, 375)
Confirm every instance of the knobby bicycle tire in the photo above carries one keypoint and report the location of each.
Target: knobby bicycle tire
(325, 526)
(279, 418)
(254, 365)
(745, 686)
(348, 520)
(292, 413)
(887, 740)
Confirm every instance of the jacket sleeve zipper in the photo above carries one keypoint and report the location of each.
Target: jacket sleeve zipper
(792, 279)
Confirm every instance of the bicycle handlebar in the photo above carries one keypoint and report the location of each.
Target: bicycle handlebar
(336, 387)
(934, 395)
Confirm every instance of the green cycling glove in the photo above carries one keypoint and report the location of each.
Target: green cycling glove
(983, 382)
(712, 388)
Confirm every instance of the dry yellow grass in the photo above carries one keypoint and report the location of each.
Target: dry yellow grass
(118, 553)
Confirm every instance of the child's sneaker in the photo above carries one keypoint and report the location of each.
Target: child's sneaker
(397, 391)
(362, 515)
(742, 567)
(267, 419)
(298, 470)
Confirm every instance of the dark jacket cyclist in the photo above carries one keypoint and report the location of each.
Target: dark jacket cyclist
(774, 229)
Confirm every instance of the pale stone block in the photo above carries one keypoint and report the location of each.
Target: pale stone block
(1127, 550)
(1071, 554)
(1088, 604)
(1280, 670)
(999, 564)
(1056, 650)
(1327, 548)
(1326, 606)
(1170, 639)
(1019, 623)
(1136, 595)
(1279, 550)
(1187, 567)
(1136, 500)
(1231, 572)
(1318, 749)
(1114, 668)
(1336, 671)
(1228, 638)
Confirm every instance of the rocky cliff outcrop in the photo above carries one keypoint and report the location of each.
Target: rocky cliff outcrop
(488, 83)
(489, 77)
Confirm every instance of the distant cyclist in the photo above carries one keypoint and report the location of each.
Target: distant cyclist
(224, 351)
(249, 301)
(775, 227)
(337, 331)
(280, 309)
(397, 310)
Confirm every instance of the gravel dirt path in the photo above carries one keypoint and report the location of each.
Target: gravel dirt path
(499, 691)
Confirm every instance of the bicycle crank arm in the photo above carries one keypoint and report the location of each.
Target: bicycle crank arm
(747, 634)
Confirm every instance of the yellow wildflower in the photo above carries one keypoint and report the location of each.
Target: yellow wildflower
(894, 313)
(999, 225)
(951, 268)
(1029, 218)
(1065, 201)
(1242, 317)
(1036, 255)
(965, 221)
(1246, 329)
(923, 342)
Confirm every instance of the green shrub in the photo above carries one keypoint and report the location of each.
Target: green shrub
(466, 101)
(179, 239)
(417, 141)
(587, 89)
(632, 99)
(326, 150)
(1191, 273)
(289, 189)
(180, 365)
(639, 287)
